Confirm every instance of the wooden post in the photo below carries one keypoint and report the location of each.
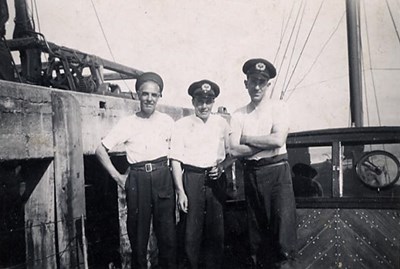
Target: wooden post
(40, 223)
(26, 134)
(69, 177)
(85, 249)
(337, 179)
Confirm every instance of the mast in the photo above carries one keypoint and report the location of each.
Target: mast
(30, 59)
(6, 67)
(354, 55)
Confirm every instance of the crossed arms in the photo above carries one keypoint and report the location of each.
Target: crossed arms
(247, 145)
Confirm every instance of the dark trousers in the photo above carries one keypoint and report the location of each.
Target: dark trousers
(203, 225)
(271, 213)
(151, 194)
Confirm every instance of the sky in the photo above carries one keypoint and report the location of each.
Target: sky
(186, 41)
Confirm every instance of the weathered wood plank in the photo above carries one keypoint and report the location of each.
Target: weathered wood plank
(69, 176)
(354, 238)
(327, 259)
(40, 222)
(355, 253)
(317, 246)
(379, 236)
(25, 122)
(311, 222)
(390, 219)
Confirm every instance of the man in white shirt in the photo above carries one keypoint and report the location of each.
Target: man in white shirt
(259, 132)
(198, 149)
(149, 186)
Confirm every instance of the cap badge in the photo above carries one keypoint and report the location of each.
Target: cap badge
(206, 87)
(260, 66)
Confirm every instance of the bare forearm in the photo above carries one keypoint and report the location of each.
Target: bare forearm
(271, 141)
(105, 160)
(243, 150)
(216, 171)
(177, 175)
(180, 191)
(238, 149)
(229, 160)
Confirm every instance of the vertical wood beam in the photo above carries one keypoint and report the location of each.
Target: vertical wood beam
(69, 178)
(337, 182)
(40, 223)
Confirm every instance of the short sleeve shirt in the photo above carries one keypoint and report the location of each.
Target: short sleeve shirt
(259, 122)
(144, 138)
(198, 143)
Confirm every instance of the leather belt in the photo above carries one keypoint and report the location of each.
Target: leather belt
(195, 169)
(270, 161)
(150, 166)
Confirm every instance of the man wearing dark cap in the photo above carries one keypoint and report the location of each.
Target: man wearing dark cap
(259, 132)
(149, 185)
(198, 148)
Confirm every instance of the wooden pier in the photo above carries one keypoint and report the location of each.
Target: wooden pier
(55, 129)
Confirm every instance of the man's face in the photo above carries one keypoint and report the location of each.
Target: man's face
(149, 93)
(256, 86)
(203, 106)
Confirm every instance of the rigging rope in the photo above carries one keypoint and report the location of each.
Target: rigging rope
(370, 62)
(302, 49)
(102, 30)
(282, 29)
(394, 24)
(284, 32)
(108, 44)
(364, 79)
(316, 59)
(34, 4)
(366, 93)
(293, 47)
(385, 69)
(287, 47)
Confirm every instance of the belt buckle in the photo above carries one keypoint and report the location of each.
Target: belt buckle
(148, 167)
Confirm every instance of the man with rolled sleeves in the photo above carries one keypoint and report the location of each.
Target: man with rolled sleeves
(198, 149)
(149, 185)
(259, 132)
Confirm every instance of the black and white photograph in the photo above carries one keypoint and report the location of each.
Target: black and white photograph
(227, 134)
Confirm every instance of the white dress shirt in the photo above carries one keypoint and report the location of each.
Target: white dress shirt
(144, 138)
(198, 143)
